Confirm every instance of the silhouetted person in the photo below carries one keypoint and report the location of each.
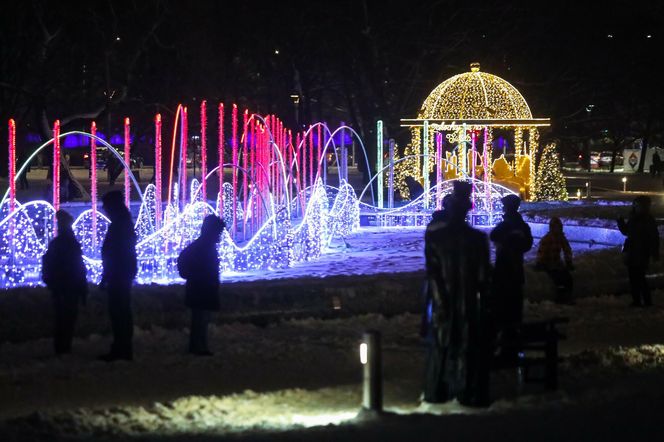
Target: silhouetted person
(512, 238)
(458, 272)
(199, 265)
(438, 220)
(551, 247)
(113, 168)
(415, 189)
(118, 254)
(656, 166)
(23, 178)
(641, 245)
(64, 274)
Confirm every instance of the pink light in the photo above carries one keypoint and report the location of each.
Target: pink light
(320, 151)
(235, 164)
(56, 168)
(204, 149)
(439, 169)
(311, 156)
(12, 165)
(220, 156)
(157, 168)
(170, 170)
(245, 160)
(127, 158)
(183, 154)
(93, 182)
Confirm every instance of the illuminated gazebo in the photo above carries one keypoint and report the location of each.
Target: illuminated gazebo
(466, 109)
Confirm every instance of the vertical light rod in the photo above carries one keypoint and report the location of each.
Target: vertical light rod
(93, 183)
(12, 165)
(462, 151)
(235, 164)
(425, 165)
(157, 169)
(127, 158)
(439, 170)
(220, 158)
(204, 149)
(56, 168)
(390, 183)
(184, 138)
(379, 162)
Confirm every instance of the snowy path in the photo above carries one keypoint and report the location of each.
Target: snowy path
(303, 373)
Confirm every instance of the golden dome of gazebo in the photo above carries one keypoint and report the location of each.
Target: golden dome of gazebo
(476, 98)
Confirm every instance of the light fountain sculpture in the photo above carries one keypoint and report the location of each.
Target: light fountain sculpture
(278, 211)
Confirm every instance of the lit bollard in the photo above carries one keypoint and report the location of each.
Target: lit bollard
(624, 181)
(588, 187)
(372, 382)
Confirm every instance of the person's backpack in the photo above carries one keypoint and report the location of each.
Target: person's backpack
(184, 262)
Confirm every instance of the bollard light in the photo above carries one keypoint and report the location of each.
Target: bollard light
(578, 194)
(372, 379)
(587, 189)
(624, 181)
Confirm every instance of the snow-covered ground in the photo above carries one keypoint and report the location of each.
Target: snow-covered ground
(302, 373)
(274, 379)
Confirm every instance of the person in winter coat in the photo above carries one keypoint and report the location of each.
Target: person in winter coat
(458, 273)
(438, 220)
(641, 245)
(118, 254)
(63, 272)
(512, 238)
(552, 245)
(198, 264)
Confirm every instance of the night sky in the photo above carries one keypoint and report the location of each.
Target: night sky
(589, 66)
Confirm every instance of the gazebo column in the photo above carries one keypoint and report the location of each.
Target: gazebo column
(518, 143)
(488, 167)
(533, 141)
(439, 169)
(425, 165)
(462, 151)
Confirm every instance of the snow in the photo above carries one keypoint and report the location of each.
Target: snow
(303, 373)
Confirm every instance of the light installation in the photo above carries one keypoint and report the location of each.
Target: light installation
(267, 231)
(276, 206)
(466, 109)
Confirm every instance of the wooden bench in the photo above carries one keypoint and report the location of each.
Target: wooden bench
(535, 337)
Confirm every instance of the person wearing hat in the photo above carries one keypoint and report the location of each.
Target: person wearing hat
(641, 245)
(64, 273)
(512, 238)
(198, 263)
(118, 255)
(458, 274)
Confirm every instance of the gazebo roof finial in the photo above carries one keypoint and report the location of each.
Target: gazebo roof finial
(474, 67)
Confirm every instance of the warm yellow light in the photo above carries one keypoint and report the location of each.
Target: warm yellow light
(475, 95)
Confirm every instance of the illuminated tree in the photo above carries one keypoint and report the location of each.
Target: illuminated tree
(549, 180)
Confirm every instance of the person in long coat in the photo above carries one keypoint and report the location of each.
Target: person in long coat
(512, 238)
(198, 264)
(118, 254)
(458, 273)
(641, 246)
(64, 273)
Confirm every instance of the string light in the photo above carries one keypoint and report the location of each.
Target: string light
(463, 106)
(550, 180)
